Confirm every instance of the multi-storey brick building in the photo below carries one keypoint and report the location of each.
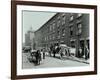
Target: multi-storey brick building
(71, 29)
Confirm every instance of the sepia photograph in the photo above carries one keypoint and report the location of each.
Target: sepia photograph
(53, 39)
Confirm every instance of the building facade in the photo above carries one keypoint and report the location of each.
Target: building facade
(71, 29)
(29, 38)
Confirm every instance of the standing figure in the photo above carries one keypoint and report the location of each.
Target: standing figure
(80, 52)
(41, 54)
(38, 57)
(54, 51)
(48, 51)
(86, 52)
(67, 52)
(57, 49)
(44, 53)
(51, 50)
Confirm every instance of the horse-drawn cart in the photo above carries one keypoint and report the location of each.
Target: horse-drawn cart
(64, 50)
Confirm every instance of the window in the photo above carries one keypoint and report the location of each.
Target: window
(53, 36)
(58, 34)
(50, 28)
(63, 19)
(53, 26)
(79, 25)
(47, 38)
(79, 15)
(50, 37)
(58, 23)
(63, 32)
(71, 30)
(71, 18)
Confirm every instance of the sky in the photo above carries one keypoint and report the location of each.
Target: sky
(35, 20)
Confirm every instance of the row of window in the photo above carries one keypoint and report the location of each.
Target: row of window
(63, 32)
(79, 25)
(79, 29)
(62, 21)
(53, 36)
(72, 16)
(52, 27)
(50, 37)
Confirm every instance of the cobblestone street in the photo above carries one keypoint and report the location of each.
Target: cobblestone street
(50, 62)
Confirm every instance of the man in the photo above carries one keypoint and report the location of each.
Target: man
(44, 53)
(38, 57)
(51, 50)
(80, 52)
(86, 52)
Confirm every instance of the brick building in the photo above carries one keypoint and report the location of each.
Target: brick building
(71, 29)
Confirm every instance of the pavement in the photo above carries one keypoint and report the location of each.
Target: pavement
(78, 59)
(73, 58)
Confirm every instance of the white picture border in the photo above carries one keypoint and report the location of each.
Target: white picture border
(33, 71)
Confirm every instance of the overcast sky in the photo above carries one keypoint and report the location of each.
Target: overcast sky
(35, 20)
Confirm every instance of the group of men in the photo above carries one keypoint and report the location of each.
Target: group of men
(54, 49)
(39, 55)
(84, 52)
(58, 49)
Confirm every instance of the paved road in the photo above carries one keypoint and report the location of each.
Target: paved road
(51, 62)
